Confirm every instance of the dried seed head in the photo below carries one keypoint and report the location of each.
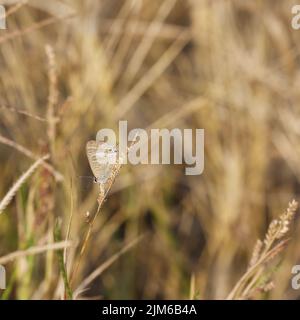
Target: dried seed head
(278, 228)
(256, 252)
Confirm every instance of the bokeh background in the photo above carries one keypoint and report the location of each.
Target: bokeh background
(70, 68)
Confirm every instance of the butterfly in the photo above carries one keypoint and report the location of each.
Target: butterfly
(103, 159)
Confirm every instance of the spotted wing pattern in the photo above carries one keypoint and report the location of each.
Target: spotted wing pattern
(91, 149)
(101, 170)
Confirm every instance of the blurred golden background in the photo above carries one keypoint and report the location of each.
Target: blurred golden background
(70, 68)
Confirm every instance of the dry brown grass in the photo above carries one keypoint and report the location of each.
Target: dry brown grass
(230, 67)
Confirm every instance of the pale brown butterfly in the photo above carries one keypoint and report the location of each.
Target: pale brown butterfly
(103, 159)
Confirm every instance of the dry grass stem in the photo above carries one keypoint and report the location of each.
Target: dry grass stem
(34, 250)
(58, 176)
(18, 184)
(263, 253)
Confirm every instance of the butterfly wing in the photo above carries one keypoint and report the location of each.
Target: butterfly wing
(102, 170)
(91, 149)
